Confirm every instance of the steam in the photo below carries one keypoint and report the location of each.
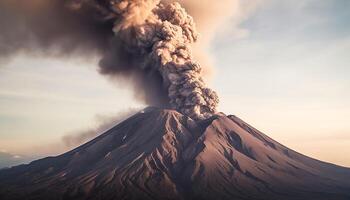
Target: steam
(147, 40)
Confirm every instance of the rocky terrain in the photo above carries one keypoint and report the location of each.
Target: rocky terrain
(162, 154)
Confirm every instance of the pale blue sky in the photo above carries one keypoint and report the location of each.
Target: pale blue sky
(289, 77)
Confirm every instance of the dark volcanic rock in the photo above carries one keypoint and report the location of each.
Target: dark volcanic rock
(161, 154)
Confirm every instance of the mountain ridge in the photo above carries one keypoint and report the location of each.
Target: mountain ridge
(162, 154)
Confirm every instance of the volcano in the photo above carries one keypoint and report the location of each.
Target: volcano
(162, 154)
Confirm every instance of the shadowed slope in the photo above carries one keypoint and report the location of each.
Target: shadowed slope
(162, 154)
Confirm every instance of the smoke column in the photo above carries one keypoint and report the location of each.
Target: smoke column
(161, 36)
(148, 40)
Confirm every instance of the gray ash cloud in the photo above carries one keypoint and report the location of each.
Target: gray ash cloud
(147, 41)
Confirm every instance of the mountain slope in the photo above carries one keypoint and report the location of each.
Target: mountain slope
(162, 154)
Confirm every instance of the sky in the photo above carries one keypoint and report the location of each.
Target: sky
(286, 73)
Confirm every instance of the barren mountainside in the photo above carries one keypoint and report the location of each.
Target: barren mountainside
(162, 154)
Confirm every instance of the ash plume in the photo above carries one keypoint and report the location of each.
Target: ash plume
(53, 27)
(146, 40)
(158, 37)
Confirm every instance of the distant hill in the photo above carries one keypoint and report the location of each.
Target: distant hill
(8, 160)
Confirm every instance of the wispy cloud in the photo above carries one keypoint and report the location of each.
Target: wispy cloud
(103, 123)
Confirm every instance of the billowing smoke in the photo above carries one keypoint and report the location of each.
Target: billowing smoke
(158, 37)
(147, 40)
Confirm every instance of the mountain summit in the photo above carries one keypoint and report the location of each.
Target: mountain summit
(162, 154)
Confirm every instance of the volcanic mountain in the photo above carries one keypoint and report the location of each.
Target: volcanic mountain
(162, 154)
